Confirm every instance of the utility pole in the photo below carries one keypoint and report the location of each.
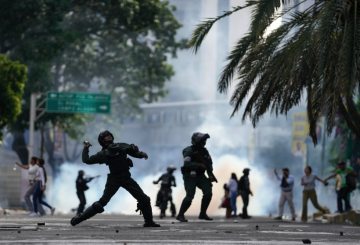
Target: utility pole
(33, 118)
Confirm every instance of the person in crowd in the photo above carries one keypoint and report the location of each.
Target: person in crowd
(233, 188)
(32, 169)
(165, 193)
(337, 188)
(244, 191)
(308, 181)
(344, 191)
(81, 187)
(226, 202)
(287, 184)
(197, 160)
(41, 178)
(115, 156)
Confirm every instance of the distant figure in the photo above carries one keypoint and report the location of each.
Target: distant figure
(244, 191)
(346, 173)
(33, 168)
(81, 187)
(298, 151)
(287, 184)
(225, 202)
(41, 178)
(308, 181)
(165, 192)
(233, 188)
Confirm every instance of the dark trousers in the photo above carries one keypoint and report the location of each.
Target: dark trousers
(245, 198)
(37, 197)
(114, 182)
(81, 196)
(165, 198)
(343, 195)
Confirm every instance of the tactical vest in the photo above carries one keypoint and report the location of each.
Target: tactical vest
(166, 180)
(119, 163)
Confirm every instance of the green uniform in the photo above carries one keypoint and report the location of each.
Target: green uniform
(200, 180)
(115, 157)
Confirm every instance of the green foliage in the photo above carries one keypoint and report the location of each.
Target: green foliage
(314, 51)
(118, 47)
(12, 82)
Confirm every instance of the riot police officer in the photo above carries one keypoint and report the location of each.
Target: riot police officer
(81, 187)
(164, 194)
(197, 160)
(115, 156)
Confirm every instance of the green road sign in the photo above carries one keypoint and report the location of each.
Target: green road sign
(78, 103)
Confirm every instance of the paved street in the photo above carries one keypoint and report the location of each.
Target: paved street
(127, 229)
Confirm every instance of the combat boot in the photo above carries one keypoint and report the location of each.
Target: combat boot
(91, 211)
(181, 218)
(204, 205)
(184, 207)
(87, 214)
(146, 211)
(204, 216)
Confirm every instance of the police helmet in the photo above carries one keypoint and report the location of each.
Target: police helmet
(171, 168)
(81, 172)
(199, 137)
(102, 135)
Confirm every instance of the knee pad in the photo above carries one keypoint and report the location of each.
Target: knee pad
(98, 207)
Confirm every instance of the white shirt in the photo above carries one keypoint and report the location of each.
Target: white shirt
(41, 176)
(232, 185)
(32, 171)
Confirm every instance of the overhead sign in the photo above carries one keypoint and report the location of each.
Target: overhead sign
(78, 103)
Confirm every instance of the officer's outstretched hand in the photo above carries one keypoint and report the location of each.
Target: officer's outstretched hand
(144, 155)
(211, 179)
(201, 165)
(86, 144)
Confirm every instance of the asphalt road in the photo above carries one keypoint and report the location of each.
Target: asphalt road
(127, 229)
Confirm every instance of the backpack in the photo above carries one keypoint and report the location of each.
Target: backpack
(351, 182)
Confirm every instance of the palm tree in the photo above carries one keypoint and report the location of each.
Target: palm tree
(315, 52)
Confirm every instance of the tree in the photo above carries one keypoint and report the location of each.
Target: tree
(315, 51)
(12, 82)
(118, 46)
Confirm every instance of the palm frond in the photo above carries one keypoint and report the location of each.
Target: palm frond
(203, 29)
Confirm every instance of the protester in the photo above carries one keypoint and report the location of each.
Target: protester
(244, 191)
(81, 187)
(233, 188)
(41, 178)
(32, 169)
(225, 202)
(287, 184)
(308, 181)
(344, 191)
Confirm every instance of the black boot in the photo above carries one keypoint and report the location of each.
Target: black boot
(148, 216)
(88, 213)
(204, 205)
(204, 216)
(184, 207)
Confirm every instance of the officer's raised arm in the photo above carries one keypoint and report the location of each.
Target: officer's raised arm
(89, 160)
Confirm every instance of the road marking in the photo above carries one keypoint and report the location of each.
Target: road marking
(167, 242)
(233, 225)
(293, 226)
(351, 227)
(299, 233)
